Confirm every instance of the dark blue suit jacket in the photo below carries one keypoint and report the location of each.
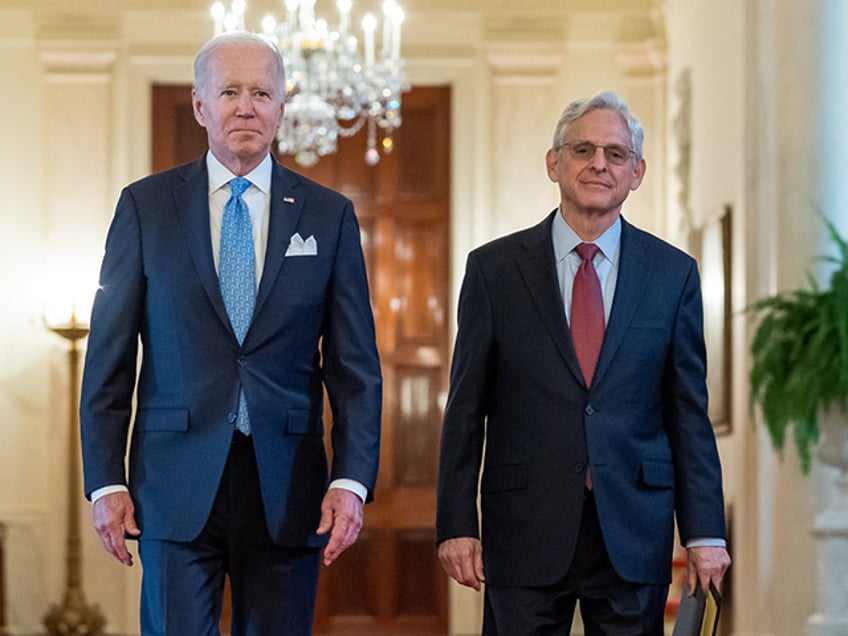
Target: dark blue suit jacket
(312, 326)
(643, 424)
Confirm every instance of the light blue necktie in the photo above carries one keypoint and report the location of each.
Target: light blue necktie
(237, 273)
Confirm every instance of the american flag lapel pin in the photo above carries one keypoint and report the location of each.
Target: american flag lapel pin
(288, 199)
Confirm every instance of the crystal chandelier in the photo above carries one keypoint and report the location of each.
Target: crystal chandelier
(331, 89)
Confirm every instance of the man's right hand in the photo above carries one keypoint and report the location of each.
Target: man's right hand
(462, 559)
(114, 515)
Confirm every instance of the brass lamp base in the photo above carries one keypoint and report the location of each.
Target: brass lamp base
(74, 617)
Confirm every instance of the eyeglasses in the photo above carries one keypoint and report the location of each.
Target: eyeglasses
(584, 151)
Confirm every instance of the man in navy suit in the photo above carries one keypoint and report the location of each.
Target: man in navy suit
(205, 498)
(584, 467)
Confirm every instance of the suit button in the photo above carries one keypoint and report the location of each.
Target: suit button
(590, 410)
(242, 361)
(579, 468)
(232, 418)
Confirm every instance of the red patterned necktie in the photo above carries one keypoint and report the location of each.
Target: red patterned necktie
(587, 318)
(587, 312)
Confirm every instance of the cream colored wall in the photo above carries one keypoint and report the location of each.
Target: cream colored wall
(758, 89)
(797, 62)
(79, 125)
(29, 436)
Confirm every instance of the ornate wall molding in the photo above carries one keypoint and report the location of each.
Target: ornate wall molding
(66, 63)
(682, 139)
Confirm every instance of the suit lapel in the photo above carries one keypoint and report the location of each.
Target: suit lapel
(539, 273)
(191, 200)
(634, 268)
(287, 200)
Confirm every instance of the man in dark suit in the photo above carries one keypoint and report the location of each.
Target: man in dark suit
(227, 468)
(588, 456)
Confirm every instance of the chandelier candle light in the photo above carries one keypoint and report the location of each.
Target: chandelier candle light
(331, 89)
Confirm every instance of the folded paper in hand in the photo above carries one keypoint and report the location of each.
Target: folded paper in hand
(300, 247)
(698, 614)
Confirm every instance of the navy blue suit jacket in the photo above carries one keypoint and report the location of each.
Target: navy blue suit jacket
(643, 425)
(312, 327)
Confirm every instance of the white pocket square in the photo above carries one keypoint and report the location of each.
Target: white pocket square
(300, 247)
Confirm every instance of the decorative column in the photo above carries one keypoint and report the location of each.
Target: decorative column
(831, 532)
(796, 162)
(78, 200)
(832, 102)
(644, 68)
(830, 527)
(525, 106)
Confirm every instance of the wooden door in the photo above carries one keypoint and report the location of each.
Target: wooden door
(389, 582)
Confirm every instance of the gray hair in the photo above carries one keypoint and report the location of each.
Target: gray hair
(606, 100)
(237, 38)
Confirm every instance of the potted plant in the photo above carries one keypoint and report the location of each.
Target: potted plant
(799, 371)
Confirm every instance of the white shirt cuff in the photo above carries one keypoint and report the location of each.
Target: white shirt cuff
(107, 490)
(352, 485)
(706, 542)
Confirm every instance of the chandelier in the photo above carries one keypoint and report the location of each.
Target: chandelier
(332, 89)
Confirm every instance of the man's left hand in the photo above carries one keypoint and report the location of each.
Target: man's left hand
(707, 564)
(341, 516)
